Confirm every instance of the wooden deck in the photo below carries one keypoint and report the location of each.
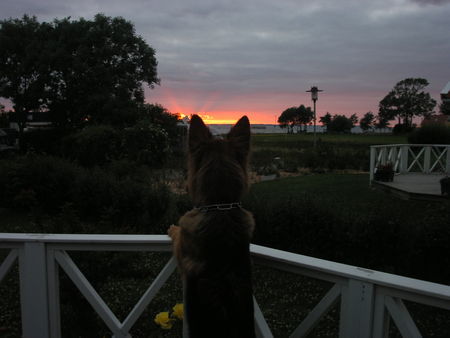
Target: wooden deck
(414, 186)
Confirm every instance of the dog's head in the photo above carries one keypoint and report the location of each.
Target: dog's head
(217, 168)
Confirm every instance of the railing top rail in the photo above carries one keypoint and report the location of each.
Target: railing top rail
(281, 257)
(84, 238)
(408, 144)
(347, 271)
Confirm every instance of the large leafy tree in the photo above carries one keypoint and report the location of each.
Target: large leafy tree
(295, 117)
(406, 100)
(444, 107)
(367, 121)
(100, 67)
(287, 119)
(23, 67)
(326, 119)
(80, 71)
(340, 124)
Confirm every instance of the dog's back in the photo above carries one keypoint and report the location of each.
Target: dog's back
(213, 250)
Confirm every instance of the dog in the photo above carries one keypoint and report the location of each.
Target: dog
(211, 242)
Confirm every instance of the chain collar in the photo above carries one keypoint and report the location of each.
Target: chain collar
(219, 207)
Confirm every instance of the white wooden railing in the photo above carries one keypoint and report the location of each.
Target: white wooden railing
(405, 158)
(368, 299)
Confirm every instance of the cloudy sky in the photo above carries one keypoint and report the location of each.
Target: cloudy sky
(225, 58)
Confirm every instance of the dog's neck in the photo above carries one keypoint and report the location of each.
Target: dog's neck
(219, 207)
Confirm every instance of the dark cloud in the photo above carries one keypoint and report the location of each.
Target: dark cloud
(265, 46)
(431, 2)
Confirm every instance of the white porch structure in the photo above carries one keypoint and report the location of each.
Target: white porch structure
(418, 169)
(368, 299)
(411, 158)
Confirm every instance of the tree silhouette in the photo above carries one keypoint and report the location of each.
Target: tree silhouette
(406, 100)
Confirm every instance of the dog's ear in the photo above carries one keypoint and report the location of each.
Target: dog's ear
(198, 132)
(239, 135)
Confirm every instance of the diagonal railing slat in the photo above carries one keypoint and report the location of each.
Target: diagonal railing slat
(317, 313)
(157, 284)
(8, 263)
(261, 326)
(402, 318)
(108, 317)
(368, 298)
(405, 158)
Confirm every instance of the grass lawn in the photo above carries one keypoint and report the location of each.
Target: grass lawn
(289, 140)
(360, 214)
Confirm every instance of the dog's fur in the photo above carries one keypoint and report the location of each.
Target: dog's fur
(212, 248)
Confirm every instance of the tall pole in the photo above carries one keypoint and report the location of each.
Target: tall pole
(314, 95)
(314, 130)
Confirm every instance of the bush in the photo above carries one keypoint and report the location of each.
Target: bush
(114, 203)
(403, 129)
(94, 145)
(146, 144)
(431, 133)
(36, 181)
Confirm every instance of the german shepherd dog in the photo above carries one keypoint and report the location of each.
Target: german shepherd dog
(212, 240)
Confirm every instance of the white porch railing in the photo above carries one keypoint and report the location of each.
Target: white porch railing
(405, 158)
(368, 299)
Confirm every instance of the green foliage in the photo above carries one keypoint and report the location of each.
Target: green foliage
(430, 133)
(340, 124)
(402, 128)
(296, 116)
(444, 107)
(94, 145)
(23, 74)
(113, 200)
(145, 144)
(406, 100)
(340, 218)
(367, 121)
(325, 120)
(81, 71)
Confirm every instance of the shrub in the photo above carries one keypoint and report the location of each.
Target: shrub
(146, 144)
(93, 145)
(403, 129)
(46, 185)
(431, 133)
(36, 181)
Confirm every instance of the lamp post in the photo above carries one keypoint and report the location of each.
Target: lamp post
(314, 96)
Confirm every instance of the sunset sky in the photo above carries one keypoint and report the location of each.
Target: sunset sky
(226, 58)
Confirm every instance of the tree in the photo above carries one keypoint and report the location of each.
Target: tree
(381, 122)
(287, 119)
(304, 116)
(80, 71)
(23, 68)
(444, 107)
(296, 117)
(407, 100)
(325, 120)
(340, 124)
(367, 121)
(104, 67)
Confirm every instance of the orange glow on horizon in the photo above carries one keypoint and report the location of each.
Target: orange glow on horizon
(229, 117)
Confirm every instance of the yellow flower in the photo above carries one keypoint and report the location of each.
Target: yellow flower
(163, 320)
(178, 311)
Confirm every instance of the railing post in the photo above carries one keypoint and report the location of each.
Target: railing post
(404, 159)
(53, 295)
(427, 160)
(384, 155)
(33, 290)
(357, 310)
(447, 162)
(373, 154)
